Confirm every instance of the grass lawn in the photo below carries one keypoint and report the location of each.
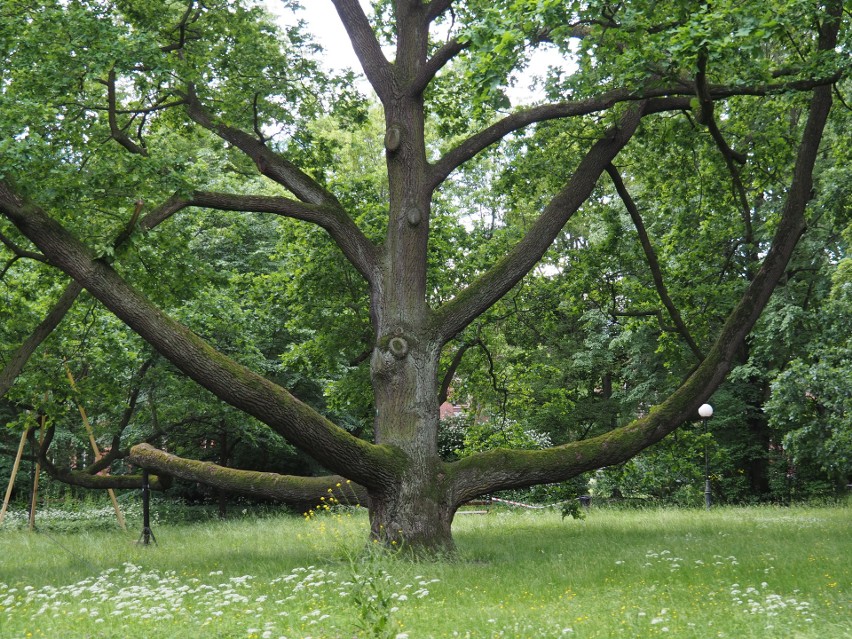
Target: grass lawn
(733, 572)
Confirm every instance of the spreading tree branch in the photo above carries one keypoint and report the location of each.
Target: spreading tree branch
(444, 391)
(731, 157)
(476, 143)
(131, 225)
(489, 287)
(161, 105)
(371, 465)
(436, 8)
(157, 216)
(326, 210)
(303, 491)
(357, 248)
(439, 59)
(269, 163)
(653, 262)
(115, 452)
(89, 478)
(116, 132)
(376, 67)
(497, 281)
(189, 16)
(23, 353)
(501, 469)
(707, 117)
(19, 253)
(655, 313)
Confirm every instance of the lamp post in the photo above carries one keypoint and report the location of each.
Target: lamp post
(705, 411)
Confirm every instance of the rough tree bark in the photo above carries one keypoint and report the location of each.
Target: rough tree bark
(411, 494)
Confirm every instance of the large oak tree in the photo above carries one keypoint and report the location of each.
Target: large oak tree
(106, 104)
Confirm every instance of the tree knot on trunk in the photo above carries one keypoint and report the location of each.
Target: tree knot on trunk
(393, 138)
(398, 347)
(414, 215)
(391, 350)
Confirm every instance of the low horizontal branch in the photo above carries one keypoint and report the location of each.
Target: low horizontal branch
(104, 482)
(290, 489)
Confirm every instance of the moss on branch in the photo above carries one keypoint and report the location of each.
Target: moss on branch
(289, 489)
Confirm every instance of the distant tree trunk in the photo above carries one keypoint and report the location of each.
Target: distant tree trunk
(757, 464)
(221, 493)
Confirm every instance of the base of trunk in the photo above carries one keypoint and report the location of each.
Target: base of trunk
(421, 525)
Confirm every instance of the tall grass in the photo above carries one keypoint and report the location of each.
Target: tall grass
(746, 572)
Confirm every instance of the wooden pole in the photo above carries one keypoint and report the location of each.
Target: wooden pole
(118, 514)
(37, 475)
(14, 473)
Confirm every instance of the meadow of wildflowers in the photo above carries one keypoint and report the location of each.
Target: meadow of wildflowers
(738, 573)
(307, 601)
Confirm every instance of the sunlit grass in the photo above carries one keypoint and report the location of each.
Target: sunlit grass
(754, 572)
(661, 573)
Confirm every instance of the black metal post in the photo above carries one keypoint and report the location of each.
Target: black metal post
(707, 495)
(147, 533)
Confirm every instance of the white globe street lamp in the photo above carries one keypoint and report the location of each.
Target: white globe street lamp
(705, 412)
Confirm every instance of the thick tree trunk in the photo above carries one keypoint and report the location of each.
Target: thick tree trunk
(417, 515)
(417, 510)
